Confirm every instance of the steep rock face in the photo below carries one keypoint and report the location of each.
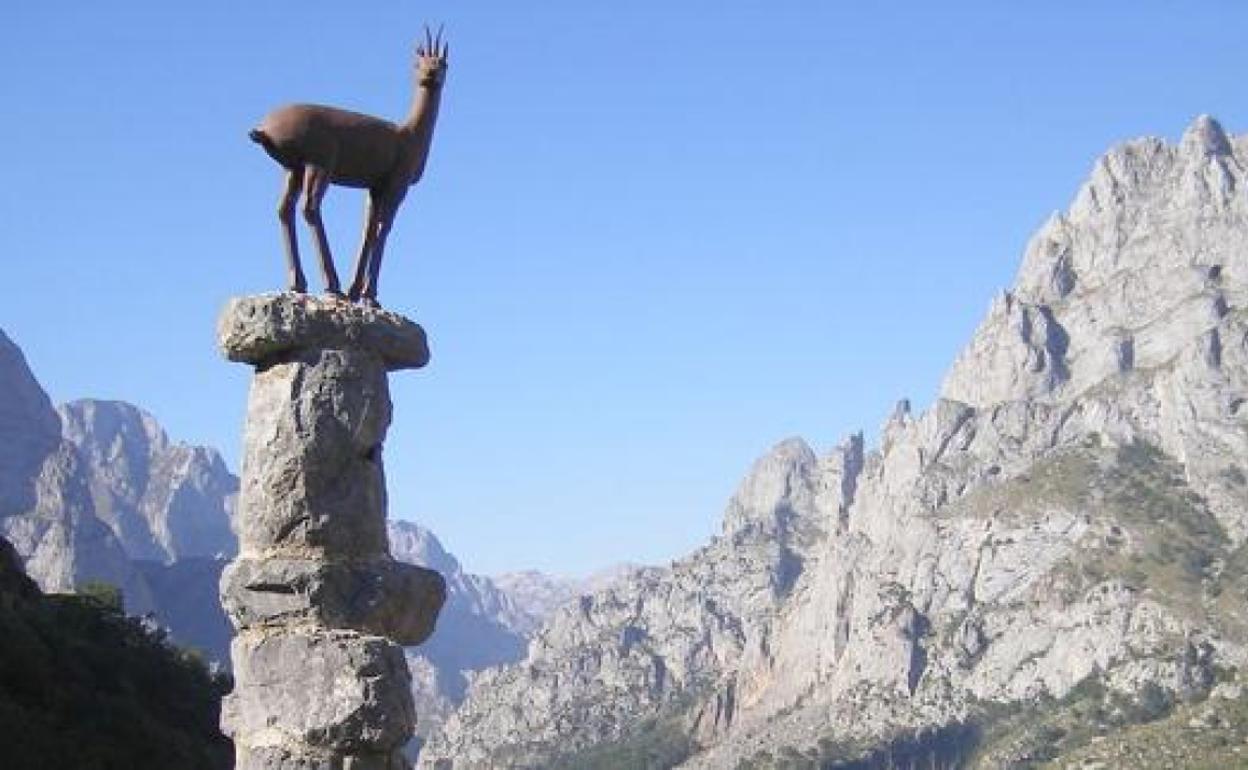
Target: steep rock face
(163, 501)
(1073, 508)
(45, 509)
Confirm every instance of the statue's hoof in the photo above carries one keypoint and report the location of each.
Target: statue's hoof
(333, 295)
(369, 302)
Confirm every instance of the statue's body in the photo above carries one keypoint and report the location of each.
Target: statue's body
(319, 146)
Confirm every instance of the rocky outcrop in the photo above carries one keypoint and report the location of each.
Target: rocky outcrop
(1072, 509)
(314, 594)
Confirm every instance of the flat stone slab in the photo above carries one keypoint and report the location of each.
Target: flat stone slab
(385, 597)
(266, 328)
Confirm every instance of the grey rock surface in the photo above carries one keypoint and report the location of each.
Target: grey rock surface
(1074, 507)
(350, 693)
(163, 501)
(315, 592)
(312, 477)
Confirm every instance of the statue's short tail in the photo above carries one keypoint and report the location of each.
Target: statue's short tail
(258, 136)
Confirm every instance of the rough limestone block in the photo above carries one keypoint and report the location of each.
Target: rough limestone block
(312, 469)
(382, 596)
(333, 690)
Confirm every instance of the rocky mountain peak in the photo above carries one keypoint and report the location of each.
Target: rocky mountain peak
(414, 544)
(1147, 261)
(778, 489)
(1205, 136)
(113, 430)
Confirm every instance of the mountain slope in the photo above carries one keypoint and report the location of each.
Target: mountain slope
(1073, 509)
(46, 509)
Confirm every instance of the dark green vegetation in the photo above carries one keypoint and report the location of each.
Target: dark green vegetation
(1096, 728)
(1205, 735)
(83, 687)
(656, 744)
(942, 748)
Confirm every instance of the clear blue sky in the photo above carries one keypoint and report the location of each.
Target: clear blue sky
(654, 237)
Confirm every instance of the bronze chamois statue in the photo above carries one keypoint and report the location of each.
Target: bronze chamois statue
(319, 146)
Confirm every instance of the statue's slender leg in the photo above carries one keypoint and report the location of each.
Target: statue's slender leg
(366, 247)
(295, 279)
(315, 183)
(385, 218)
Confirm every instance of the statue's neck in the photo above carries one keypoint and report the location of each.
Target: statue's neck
(424, 113)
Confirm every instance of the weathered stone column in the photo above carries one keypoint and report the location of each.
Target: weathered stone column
(319, 606)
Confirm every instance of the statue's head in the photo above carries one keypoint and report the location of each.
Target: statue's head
(432, 56)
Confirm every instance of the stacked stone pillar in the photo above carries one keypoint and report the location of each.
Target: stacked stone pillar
(319, 606)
